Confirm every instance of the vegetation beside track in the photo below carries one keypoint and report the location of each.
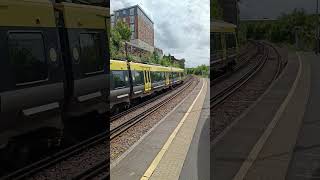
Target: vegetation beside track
(202, 70)
(283, 30)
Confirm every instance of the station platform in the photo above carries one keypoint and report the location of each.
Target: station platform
(173, 148)
(261, 143)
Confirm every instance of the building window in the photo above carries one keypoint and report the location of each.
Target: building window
(132, 11)
(124, 12)
(132, 35)
(117, 14)
(132, 27)
(124, 19)
(27, 57)
(131, 19)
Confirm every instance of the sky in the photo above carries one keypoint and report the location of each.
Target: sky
(182, 28)
(273, 8)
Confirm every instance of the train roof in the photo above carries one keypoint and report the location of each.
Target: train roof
(81, 16)
(118, 65)
(101, 3)
(40, 13)
(36, 13)
(173, 69)
(221, 26)
(122, 65)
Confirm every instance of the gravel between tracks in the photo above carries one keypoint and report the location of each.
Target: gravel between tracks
(224, 114)
(123, 142)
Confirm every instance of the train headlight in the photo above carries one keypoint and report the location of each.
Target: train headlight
(53, 55)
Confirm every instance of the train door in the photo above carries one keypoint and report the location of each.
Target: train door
(167, 78)
(147, 80)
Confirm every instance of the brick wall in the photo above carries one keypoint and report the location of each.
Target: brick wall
(145, 32)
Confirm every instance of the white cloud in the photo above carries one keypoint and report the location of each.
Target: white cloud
(182, 28)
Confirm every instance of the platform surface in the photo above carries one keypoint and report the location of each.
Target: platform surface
(305, 162)
(141, 158)
(260, 144)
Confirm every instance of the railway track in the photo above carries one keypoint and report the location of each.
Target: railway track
(39, 166)
(116, 131)
(229, 90)
(237, 95)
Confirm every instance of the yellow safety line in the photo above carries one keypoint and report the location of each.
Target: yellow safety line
(163, 150)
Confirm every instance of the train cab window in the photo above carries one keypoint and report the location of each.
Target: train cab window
(27, 57)
(90, 53)
(119, 79)
(138, 77)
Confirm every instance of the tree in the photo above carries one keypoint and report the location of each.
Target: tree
(201, 70)
(120, 33)
(283, 29)
(155, 58)
(216, 10)
(124, 30)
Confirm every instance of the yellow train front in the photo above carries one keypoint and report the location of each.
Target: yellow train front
(130, 82)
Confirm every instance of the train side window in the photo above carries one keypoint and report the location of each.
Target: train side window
(138, 77)
(157, 76)
(174, 75)
(153, 76)
(163, 77)
(217, 42)
(27, 57)
(230, 40)
(118, 79)
(90, 53)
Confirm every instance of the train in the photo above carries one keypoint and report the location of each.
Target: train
(53, 69)
(223, 46)
(131, 81)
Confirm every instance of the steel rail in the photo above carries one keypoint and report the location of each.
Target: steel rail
(225, 93)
